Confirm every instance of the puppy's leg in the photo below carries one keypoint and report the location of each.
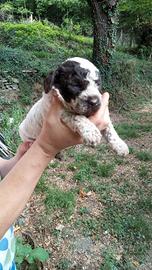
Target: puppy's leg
(115, 141)
(87, 130)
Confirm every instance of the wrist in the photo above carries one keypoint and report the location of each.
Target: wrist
(48, 150)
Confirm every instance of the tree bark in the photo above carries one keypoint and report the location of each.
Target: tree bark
(104, 22)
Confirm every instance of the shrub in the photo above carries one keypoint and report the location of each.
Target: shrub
(25, 253)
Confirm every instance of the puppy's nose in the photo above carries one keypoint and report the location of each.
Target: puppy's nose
(93, 101)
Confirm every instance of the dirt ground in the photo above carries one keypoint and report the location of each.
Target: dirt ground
(65, 241)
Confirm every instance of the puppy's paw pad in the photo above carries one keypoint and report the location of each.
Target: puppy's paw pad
(92, 137)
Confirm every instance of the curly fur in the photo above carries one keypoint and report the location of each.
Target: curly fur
(77, 83)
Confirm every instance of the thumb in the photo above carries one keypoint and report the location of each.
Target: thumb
(56, 106)
(96, 118)
(105, 102)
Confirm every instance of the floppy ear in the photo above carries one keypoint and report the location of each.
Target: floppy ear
(48, 82)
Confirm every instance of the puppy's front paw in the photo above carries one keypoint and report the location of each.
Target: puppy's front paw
(121, 148)
(92, 137)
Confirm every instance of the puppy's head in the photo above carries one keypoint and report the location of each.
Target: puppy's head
(77, 80)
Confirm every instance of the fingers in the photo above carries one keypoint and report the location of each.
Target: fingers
(22, 149)
(102, 112)
(56, 104)
(105, 100)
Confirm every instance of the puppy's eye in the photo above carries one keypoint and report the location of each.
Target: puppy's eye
(98, 82)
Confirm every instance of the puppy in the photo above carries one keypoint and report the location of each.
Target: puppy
(77, 84)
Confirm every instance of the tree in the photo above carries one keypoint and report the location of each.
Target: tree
(136, 18)
(6, 11)
(104, 20)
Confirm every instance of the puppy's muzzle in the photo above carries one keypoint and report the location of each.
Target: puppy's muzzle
(93, 101)
(93, 104)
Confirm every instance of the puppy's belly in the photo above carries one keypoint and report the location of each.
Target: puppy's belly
(31, 126)
(29, 130)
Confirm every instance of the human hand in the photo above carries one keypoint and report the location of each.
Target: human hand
(101, 118)
(7, 165)
(56, 136)
(22, 149)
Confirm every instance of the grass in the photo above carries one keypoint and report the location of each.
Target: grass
(105, 170)
(10, 121)
(144, 155)
(134, 130)
(129, 225)
(37, 47)
(41, 48)
(145, 203)
(42, 186)
(58, 199)
(84, 174)
(143, 171)
(83, 211)
(109, 262)
(54, 164)
(89, 226)
(64, 264)
(86, 167)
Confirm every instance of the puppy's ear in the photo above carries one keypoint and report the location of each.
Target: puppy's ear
(48, 82)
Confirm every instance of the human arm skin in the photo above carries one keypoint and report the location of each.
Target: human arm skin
(7, 164)
(17, 187)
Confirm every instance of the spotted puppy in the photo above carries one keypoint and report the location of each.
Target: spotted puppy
(77, 84)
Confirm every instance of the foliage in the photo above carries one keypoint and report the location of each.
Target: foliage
(37, 36)
(138, 12)
(127, 80)
(135, 17)
(105, 169)
(41, 48)
(25, 253)
(6, 11)
(67, 12)
(10, 10)
(10, 129)
(30, 51)
(123, 206)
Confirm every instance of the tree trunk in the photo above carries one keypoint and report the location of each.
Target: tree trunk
(103, 15)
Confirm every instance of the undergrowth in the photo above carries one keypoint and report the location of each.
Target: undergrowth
(41, 48)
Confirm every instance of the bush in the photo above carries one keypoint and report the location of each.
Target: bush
(31, 256)
(129, 80)
(28, 35)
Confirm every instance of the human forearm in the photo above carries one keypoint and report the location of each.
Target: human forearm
(18, 185)
(6, 166)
